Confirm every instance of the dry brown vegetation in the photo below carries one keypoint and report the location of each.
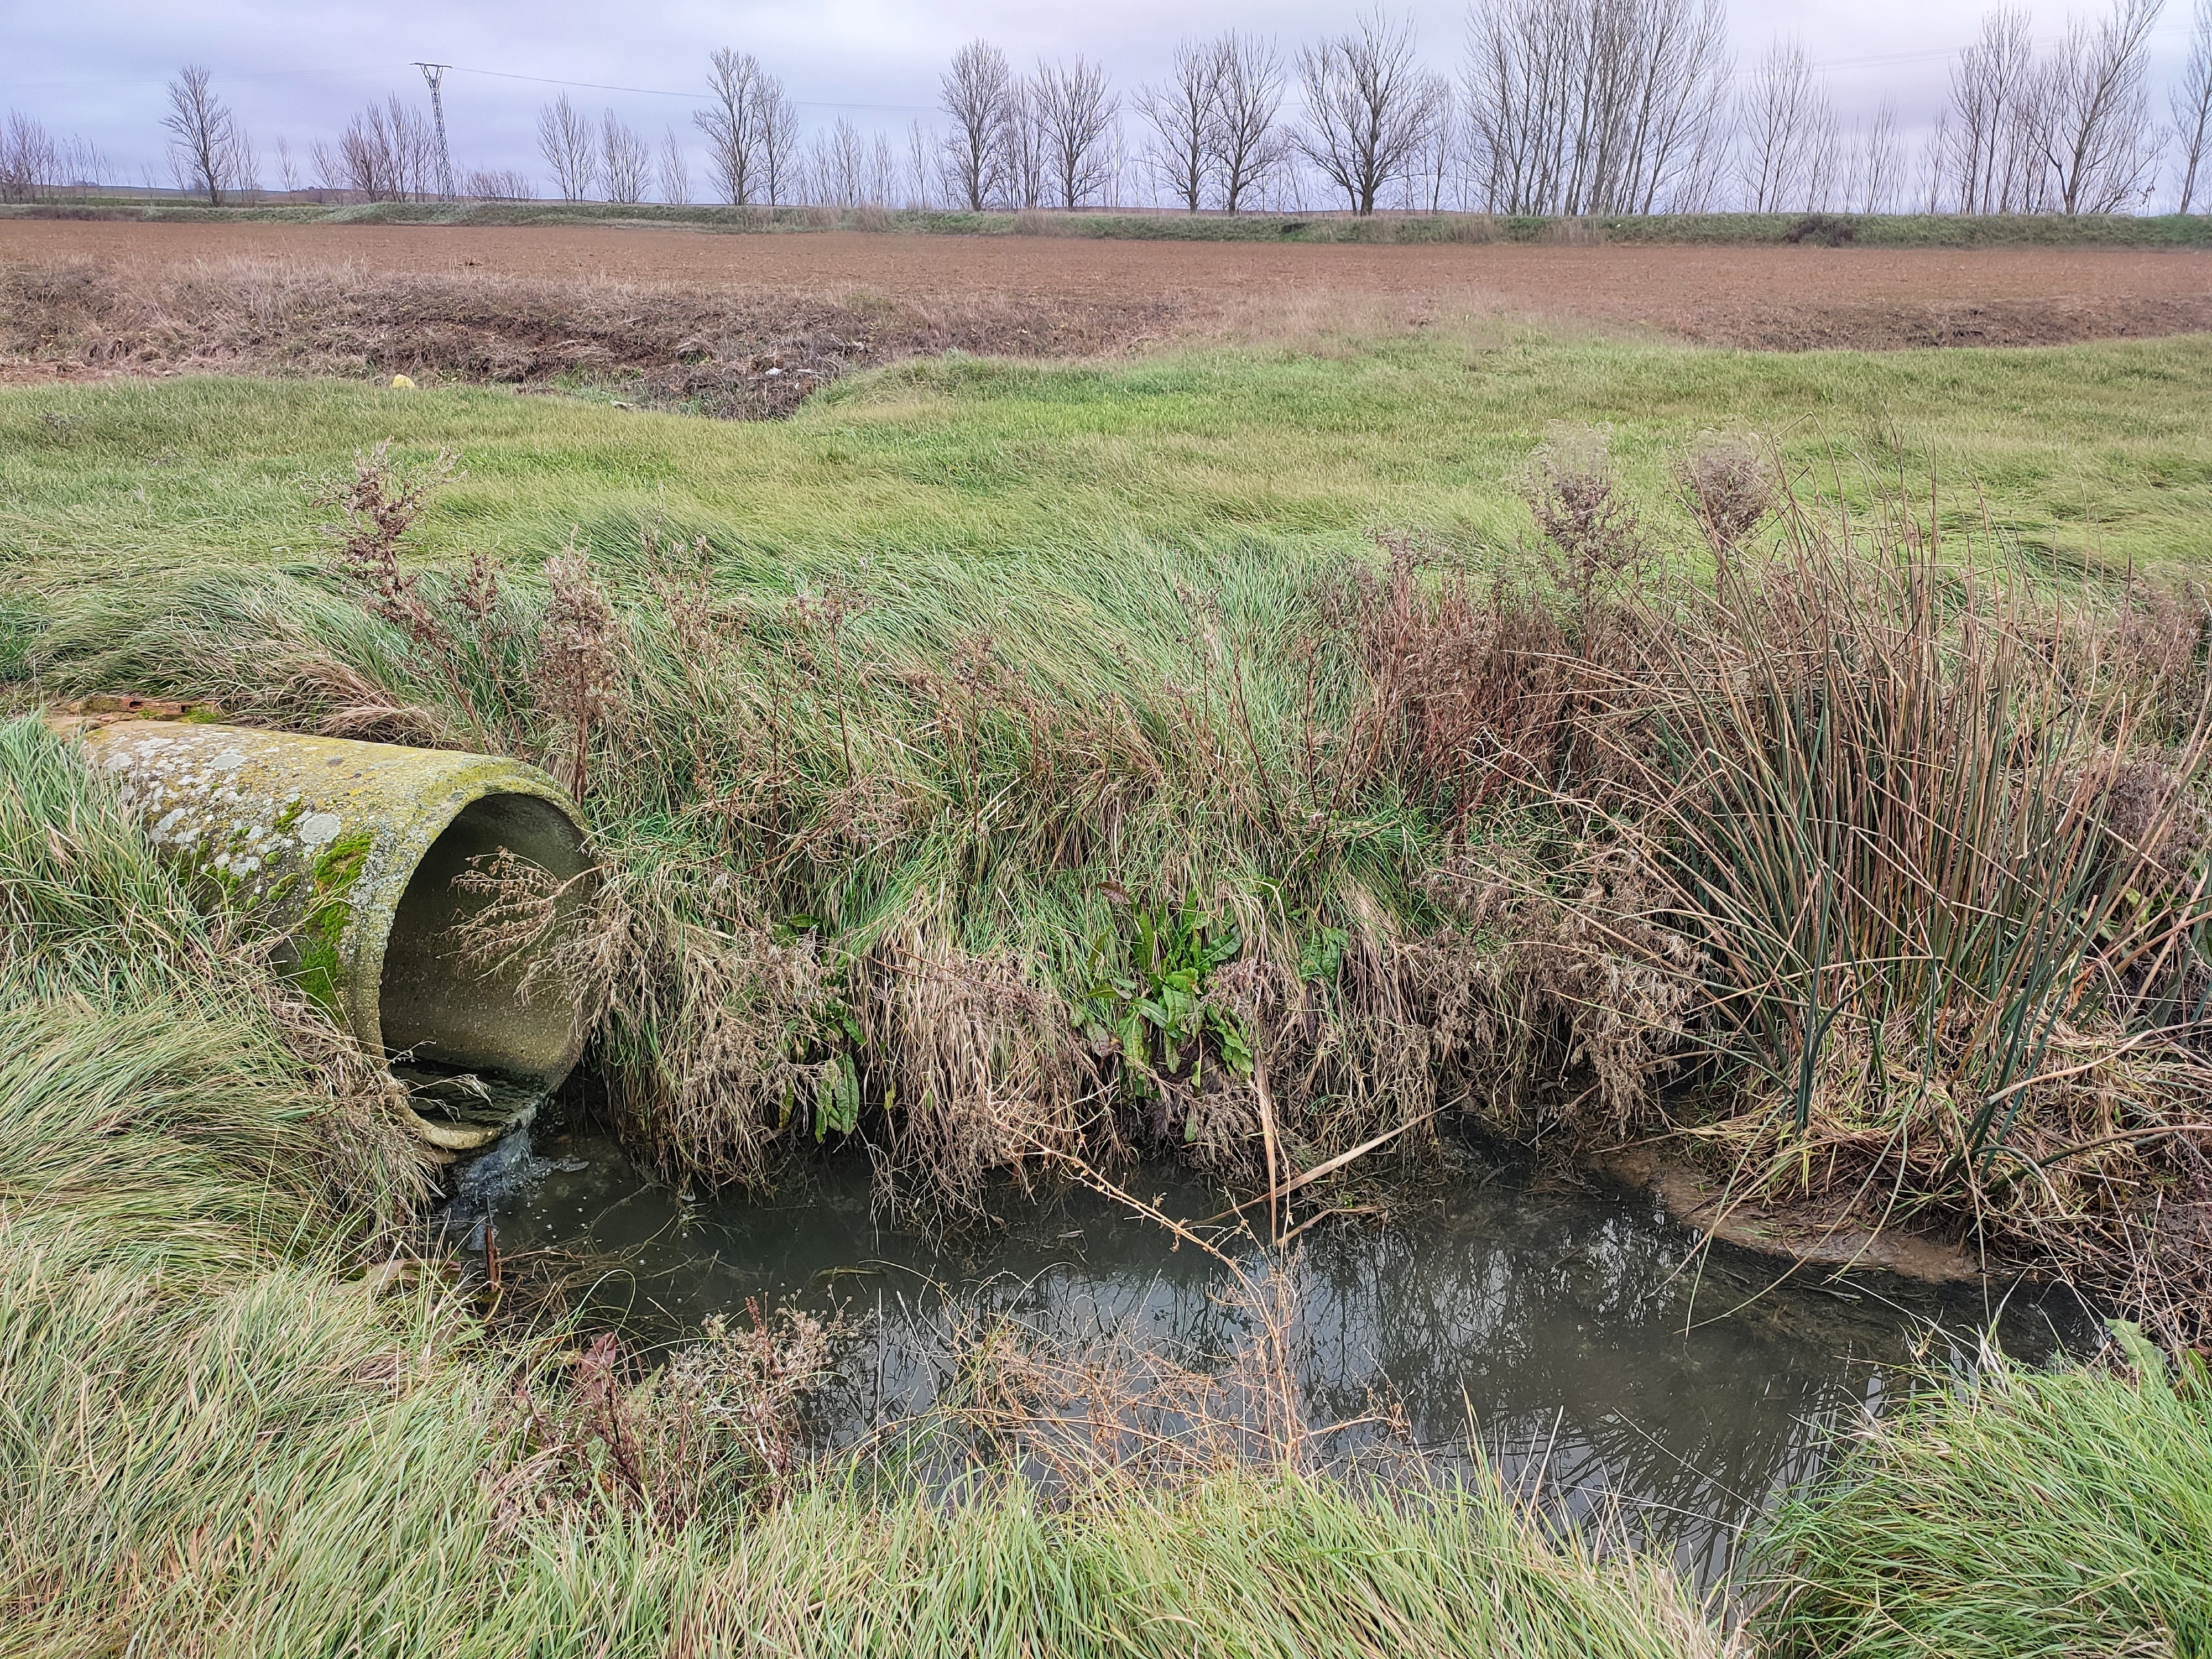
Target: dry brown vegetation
(729, 352)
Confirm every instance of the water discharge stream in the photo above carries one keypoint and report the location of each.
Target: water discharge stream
(1574, 1335)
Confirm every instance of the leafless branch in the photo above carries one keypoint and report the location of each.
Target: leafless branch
(1369, 106)
(570, 147)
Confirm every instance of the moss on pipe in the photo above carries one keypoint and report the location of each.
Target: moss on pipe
(349, 852)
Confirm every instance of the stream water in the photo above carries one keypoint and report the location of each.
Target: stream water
(1574, 1336)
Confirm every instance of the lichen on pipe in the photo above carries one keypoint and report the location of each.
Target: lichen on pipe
(349, 852)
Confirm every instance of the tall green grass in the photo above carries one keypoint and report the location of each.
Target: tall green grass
(2096, 453)
(2022, 1513)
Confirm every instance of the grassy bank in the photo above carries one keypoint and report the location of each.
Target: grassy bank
(223, 1436)
(1699, 229)
(1005, 763)
(998, 764)
(2023, 1513)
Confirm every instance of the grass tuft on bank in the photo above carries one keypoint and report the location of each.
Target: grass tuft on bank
(2014, 1514)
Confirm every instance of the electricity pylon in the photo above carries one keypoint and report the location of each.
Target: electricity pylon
(436, 75)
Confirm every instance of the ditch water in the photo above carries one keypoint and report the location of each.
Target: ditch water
(1574, 1336)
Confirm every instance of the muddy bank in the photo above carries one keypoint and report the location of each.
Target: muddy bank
(1831, 1235)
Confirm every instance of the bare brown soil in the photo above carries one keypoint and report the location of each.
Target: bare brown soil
(707, 317)
(1828, 1233)
(739, 351)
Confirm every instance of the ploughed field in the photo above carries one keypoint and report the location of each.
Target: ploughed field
(703, 317)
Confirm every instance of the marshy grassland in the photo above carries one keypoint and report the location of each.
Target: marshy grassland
(1242, 756)
(2095, 451)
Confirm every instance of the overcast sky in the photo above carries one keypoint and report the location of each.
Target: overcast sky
(96, 68)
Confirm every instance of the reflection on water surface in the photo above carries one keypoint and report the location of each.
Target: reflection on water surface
(1571, 1334)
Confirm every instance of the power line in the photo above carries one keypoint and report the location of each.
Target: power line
(695, 96)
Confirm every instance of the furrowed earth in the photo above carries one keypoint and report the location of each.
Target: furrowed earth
(529, 303)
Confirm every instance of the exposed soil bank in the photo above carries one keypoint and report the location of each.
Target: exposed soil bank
(1811, 1233)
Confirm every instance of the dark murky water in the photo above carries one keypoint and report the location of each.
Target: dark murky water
(1570, 1334)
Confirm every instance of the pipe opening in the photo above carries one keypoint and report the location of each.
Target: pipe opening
(439, 1010)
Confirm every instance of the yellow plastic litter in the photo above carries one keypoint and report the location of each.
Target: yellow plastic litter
(400, 382)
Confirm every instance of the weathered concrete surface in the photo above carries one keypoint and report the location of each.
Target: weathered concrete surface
(348, 851)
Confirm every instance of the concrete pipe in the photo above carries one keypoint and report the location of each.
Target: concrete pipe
(348, 851)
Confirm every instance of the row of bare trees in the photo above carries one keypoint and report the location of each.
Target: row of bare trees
(2068, 131)
(36, 163)
(1578, 107)
(1559, 108)
(1046, 140)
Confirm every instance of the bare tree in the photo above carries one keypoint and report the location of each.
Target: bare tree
(1185, 114)
(675, 171)
(1028, 164)
(209, 151)
(1075, 114)
(1789, 129)
(387, 153)
(29, 159)
(778, 142)
(2096, 130)
(883, 176)
(1997, 103)
(625, 160)
(83, 165)
(570, 147)
(1877, 165)
(1429, 172)
(1595, 106)
(1244, 146)
(1935, 164)
(501, 184)
(921, 153)
(1369, 106)
(978, 93)
(843, 169)
(732, 124)
(2191, 102)
(836, 167)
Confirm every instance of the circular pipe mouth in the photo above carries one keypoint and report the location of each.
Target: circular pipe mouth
(451, 992)
(359, 857)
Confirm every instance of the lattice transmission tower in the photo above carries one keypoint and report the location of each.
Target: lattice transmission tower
(436, 75)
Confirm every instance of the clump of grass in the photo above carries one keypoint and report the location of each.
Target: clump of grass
(1937, 876)
(2020, 1512)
